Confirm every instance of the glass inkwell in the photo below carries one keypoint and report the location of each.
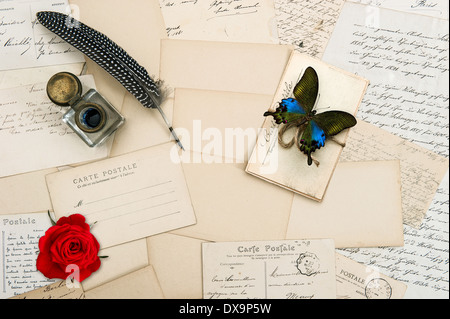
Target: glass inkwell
(90, 116)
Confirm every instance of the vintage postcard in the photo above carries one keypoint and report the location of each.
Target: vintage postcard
(19, 243)
(288, 167)
(363, 207)
(24, 43)
(296, 269)
(127, 197)
(358, 281)
(31, 127)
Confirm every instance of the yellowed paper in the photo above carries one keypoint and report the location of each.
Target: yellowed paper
(31, 186)
(58, 290)
(288, 168)
(141, 284)
(297, 269)
(25, 43)
(127, 197)
(32, 124)
(422, 171)
(230, 204)
(19, 242)
(167, 253)
(362, 207)
(122, 260)
(357, 281)
(140, 36)
(247, 21)
(223, 66)
(218, 123)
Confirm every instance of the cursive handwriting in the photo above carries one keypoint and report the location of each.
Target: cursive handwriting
(19, 240)
(307, 24)
(219, 20)
(408, 96)
(24, 43)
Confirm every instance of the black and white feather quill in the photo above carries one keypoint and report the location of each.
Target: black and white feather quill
(108, 55)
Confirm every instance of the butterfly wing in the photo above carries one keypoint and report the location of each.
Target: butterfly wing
(321, 127)
(334, 122)
(289, 111)
(305, 93)
(307, 89)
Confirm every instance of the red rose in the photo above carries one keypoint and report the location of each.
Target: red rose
(68, 243)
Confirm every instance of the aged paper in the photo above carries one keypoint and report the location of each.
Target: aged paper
(216, 124)
(224, 66)
(165, 251)
(143, 20)
(240, 69)
(288, 168)
(31, 127)
(31, 186)
(218, 130)
(421, 170)
(127, 197)
(357, 281)
(307, 24)
(434, 8)
(57, 290)
(140, 284)
(421, 262)
(19, 240)
(249, 21)
(362, 208)
(297, 269)
(405, 57)
(122, 260)
(236, 215)
(24, 43)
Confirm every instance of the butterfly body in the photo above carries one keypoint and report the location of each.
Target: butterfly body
(312, 128)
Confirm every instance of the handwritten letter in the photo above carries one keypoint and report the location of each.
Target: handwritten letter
(19, 239)
(405, 56)
(220, 20)
(31, 126)
(24, 43)
(434, 8)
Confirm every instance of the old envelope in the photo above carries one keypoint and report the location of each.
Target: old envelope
(287, 167)
(291, 269)
(127, 197)
(362, 208)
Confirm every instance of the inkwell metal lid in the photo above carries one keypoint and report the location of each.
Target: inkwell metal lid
(63, 87)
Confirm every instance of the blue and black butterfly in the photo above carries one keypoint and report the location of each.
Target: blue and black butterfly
(312, 128)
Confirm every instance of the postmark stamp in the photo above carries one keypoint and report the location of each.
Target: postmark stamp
(308, 264)
(378, 288)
